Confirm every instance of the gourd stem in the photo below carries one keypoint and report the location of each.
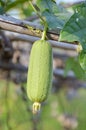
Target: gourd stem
(44, 32)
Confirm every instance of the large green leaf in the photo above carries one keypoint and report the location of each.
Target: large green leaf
(75, 28)
(49, 5)
(52, 21)
(55, 16)
(73, 64)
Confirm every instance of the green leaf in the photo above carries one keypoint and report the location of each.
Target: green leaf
(75, 28)
(55, 15)
(52, 21)
(73, 64)
(13, 4)
(1, 3)
(27, 10)
(68, 66)
(79, 73)
(82, 60)
(49, 5)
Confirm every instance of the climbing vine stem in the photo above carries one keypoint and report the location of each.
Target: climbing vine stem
(33, 7)
(43, 21)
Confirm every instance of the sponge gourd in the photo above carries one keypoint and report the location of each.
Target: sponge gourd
(39, 77)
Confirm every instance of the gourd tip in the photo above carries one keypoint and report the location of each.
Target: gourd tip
(36, 107)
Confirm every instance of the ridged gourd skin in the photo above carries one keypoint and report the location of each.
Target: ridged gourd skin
(39, 77)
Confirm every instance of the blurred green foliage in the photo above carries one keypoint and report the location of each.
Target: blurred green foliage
(15, 112)
(73, 64)
(22, 6)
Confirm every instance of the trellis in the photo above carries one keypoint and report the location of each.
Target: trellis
(23, 30)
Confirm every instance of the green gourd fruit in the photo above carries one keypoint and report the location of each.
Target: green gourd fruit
(39, 77)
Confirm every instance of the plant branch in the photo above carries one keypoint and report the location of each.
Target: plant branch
(24, 27)
(15, 25)
(20, 26)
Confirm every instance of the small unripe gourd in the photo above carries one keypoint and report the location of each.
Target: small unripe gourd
(39, 77)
